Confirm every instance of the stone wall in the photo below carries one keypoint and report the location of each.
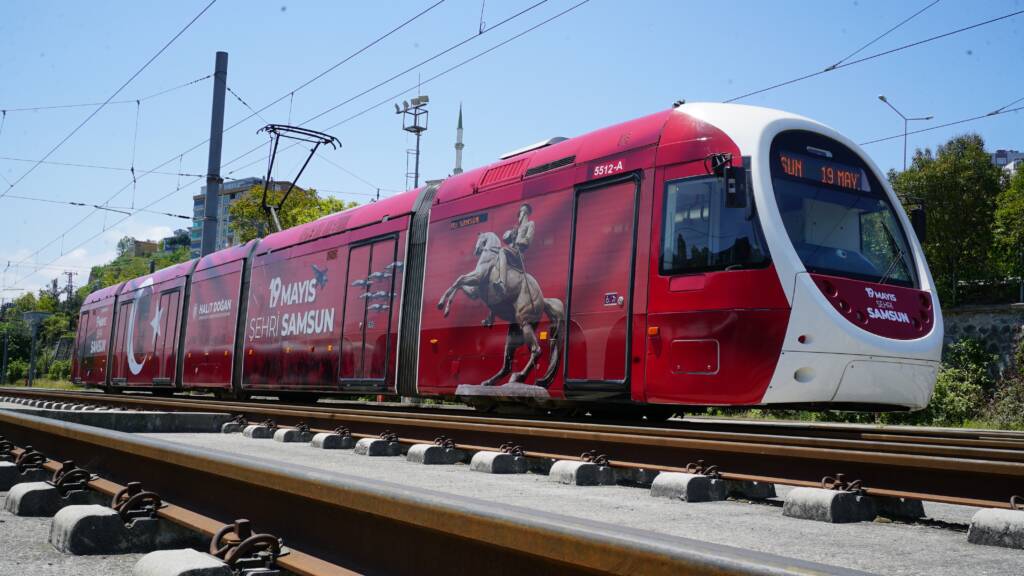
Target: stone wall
(1000, 328)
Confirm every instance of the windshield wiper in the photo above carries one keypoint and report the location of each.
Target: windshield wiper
(892, 265)
(898, 257)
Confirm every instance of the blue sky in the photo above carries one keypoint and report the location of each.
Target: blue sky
(602, 63)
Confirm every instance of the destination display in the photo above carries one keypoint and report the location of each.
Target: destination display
(823, 171)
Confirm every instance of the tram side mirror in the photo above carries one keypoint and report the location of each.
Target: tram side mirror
(736, 187)
(918, 220)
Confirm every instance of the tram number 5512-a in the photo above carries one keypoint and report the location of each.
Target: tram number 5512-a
(608, 169)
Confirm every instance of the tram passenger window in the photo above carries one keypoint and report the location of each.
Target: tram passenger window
(701, 233)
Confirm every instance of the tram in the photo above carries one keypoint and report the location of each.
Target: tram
(706, 255)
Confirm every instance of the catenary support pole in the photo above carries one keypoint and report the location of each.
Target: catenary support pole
(3, 369)
(213, 179)
(32, 354)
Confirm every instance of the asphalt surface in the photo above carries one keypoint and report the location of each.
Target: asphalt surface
(935, 547)
(25, 550)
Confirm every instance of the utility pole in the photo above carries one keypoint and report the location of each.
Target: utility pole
(34, 320)
(3, 369)
(70, 286)
(70, 289)
(213, 179)
(32, 355)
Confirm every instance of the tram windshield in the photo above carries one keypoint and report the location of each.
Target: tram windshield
(836, 212)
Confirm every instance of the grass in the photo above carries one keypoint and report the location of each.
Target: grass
(50, 384)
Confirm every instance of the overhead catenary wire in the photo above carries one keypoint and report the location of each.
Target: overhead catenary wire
(112, 102)
(1001, 108)
(347, 171)
(386, 81)
(118, 209)
(147, 207)
(205, 141)
(135, 141)
(448, 70)
(246, 104)
(998, 112)
(876, 55)
(98, 166)
(3, 120)
(112, 96)
(197, 146)
(426, 61)
(49, 267)
(444, 72)
(319, 154)
(348, 193)
(406, 71)
(884, 34)
(458, 65)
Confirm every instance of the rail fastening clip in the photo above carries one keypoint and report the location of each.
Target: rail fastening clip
(242, 550)
(133, 502)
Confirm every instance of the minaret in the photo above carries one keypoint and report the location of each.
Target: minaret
(458, 146)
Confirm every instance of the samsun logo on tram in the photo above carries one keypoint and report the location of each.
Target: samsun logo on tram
(307, 322)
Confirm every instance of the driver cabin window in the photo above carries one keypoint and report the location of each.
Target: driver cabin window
(703, 234)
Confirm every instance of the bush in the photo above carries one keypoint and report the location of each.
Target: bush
(60, 370)
(963, 384)
(16, 370)
(970, 356)
(1007, 407)
(959, 396)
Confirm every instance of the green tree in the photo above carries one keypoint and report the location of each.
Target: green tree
(1008, 228)
(249, 220)
(126, 267)
(958, 186)
(124, 244)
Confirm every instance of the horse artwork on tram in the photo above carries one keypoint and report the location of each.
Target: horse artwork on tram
(501, 282)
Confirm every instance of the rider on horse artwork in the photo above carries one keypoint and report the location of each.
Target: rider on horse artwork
(518, 240)
(501, 281)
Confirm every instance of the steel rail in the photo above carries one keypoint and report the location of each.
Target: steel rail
(955, 479)
(295, 561)
(966, 437)
(381, 527)
(962, 449)
(949, 474)
(894, 439)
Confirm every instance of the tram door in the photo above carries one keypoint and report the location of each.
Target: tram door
(167, 339)
(367, 330)
(600, 287)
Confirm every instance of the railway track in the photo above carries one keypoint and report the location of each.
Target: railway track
(295, 561)
(966, 467)
(346, 524)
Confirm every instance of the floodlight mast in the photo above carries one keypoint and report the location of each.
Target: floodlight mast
(276, 131)
(414, 121)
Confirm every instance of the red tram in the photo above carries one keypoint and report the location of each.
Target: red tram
(710, 254)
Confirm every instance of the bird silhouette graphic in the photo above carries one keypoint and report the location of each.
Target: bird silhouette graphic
(321, 276)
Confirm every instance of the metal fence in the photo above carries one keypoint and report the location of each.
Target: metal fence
(1000, 291)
